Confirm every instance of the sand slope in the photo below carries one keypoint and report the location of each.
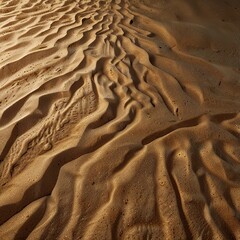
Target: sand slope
(119, 119)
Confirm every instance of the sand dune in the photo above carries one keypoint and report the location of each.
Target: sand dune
(119, 119)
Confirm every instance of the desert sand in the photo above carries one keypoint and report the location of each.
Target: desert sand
(119, 119)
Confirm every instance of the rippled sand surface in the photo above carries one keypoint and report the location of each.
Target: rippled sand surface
(119, 119)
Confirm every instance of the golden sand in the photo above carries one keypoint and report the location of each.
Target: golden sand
(119, 119)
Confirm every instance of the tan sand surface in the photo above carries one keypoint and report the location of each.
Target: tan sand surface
(119, 119)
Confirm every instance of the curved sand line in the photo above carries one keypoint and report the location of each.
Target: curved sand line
(119, 119)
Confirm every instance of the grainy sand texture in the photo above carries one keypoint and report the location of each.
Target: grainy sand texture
(119, 119)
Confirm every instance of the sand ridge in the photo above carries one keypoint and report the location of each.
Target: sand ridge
(119, 119)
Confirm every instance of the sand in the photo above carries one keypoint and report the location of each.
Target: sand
(119, 119)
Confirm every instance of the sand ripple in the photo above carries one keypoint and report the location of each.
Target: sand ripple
(119, 119)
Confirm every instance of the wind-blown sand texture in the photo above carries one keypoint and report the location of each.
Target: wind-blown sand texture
(119, 119)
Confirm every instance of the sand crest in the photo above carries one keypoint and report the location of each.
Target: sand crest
(119, 119)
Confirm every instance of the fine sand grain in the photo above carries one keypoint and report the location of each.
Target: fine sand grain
(119, 119)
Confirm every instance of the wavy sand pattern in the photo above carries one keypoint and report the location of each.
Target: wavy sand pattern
(119, 119)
